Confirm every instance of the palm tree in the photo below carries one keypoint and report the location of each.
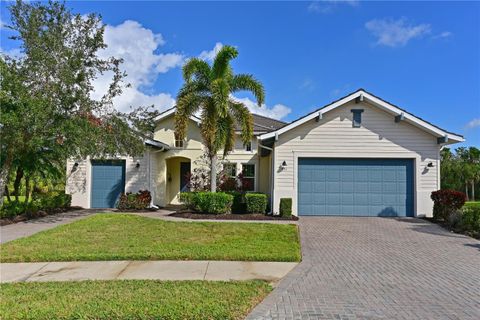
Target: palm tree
(208, 90)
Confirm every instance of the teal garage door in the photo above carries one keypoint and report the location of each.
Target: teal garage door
(355, 187)
(108, 182)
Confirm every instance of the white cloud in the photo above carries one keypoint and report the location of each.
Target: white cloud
(327, 6)
(210, 55)
(137, 46)
(395, 33)
(474, 123)
(445, 34)
(278, 111)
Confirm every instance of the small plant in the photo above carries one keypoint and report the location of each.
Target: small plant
(445, 202)
(256, 202)
(135, 201)
(286, 207)
(470, 220)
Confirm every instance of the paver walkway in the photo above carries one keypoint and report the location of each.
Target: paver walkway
(146, 270)
(378, 268)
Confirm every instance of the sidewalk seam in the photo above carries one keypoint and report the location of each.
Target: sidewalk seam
(123, 270)
(206, 270)
(36, 272)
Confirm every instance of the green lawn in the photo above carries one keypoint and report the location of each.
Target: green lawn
(130, 237)
(132, 299)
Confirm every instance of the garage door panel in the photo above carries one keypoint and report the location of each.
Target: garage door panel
(108, 182)
(355, 187)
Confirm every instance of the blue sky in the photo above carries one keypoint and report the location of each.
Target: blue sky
(421, 56)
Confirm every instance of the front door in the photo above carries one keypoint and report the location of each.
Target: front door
(184, 176)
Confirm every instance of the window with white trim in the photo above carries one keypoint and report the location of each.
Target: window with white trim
(248, 146)
(248, 172)
(179, 143)
(230, 169)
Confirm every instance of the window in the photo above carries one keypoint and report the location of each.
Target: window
(248, 171)
(357, 118)
(248, 146)
(230, 169)
(178, 142)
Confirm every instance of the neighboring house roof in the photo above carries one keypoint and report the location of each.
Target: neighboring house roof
(264, 124)
(376, 101)
(261, 124)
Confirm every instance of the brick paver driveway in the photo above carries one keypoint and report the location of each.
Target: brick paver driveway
(378, 268)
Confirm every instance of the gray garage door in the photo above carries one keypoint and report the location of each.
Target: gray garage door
(108, 182)
(355, 187)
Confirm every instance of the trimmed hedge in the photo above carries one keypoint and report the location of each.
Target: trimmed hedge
(135, 201)
(256, 202)
(208, 202)
(446, 202)
(286, 207)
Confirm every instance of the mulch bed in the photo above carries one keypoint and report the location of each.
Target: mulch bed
(245, 216)
(39, 214)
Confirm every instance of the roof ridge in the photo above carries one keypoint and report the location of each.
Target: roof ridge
(262, 116)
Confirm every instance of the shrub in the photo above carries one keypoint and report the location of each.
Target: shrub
(208, 202)
(135, 201)
(49, 202)
(256, 202)
(446, 202)
(286, 207)
(238, 204)
(470, 220)
(472, 204)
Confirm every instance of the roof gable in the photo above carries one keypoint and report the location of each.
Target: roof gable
(364, 96)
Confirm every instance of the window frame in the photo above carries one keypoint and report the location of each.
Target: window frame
(234, 165)
(356, 118)
(253, 177)
(178, 143)
(248, 146)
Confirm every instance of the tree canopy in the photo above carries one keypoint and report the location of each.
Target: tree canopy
(47, 111)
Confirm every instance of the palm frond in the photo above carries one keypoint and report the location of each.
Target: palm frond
(221, 64)
(246, 82)
(187, 105)
(196, 68)
(220, 91)
(243, 116)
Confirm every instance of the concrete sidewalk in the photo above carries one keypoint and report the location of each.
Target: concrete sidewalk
(145, 270)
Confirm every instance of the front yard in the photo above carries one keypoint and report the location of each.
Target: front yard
(130, 237)
(131, 299)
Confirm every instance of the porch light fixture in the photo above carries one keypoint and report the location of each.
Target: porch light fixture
(137, 165)
(284, 165)
(75, 167)
(430, 165)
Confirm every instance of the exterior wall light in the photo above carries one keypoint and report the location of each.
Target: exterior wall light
(430, 165)
(137, 165)
(283, 166)
(75, 167)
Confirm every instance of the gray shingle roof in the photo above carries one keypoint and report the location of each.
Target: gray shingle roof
(264, 124)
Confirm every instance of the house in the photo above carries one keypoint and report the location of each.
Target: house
(357, 156)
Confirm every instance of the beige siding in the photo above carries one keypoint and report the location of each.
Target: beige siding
(379, 136)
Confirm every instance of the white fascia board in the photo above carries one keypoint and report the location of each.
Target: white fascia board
(413, 119)
(378, 102)
(171, 111)
(310, 116)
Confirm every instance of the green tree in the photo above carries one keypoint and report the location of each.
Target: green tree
(208, 90)
(47, 111)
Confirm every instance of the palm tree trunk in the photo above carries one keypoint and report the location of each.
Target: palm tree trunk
(466, 190)
(5, 170)
(213, 172)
